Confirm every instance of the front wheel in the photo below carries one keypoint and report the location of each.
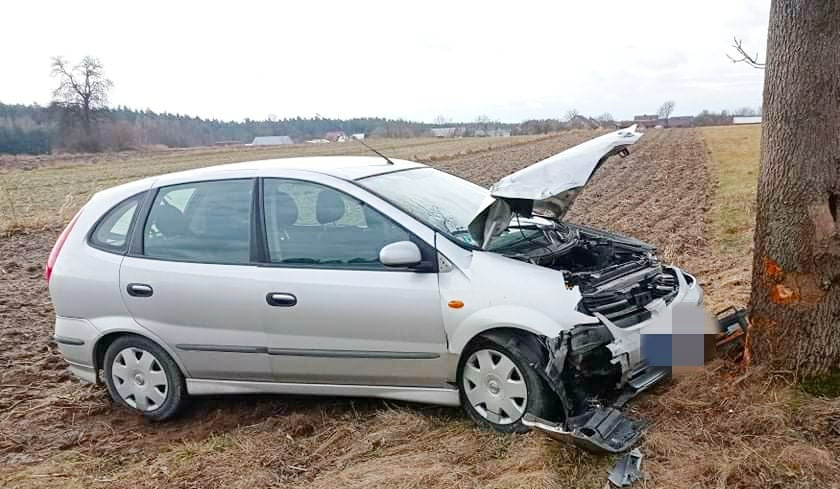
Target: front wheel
(141, 376)
(497, 387)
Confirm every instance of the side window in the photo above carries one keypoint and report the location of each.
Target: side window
(311, 224)
(204, 222)
(111, 234)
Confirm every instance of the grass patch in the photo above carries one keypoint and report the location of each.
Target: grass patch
(827, 385)
(734, 154)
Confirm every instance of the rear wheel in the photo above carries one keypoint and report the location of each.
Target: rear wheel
(497, 386)
(141, 376)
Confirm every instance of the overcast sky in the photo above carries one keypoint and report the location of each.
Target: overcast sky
(508, 60)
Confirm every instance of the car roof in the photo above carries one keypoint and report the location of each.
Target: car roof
(346, 167)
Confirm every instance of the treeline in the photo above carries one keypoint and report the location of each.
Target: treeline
(35, 129)
(711, 118)
(24, 129)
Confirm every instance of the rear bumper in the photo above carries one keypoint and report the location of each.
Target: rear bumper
(84, 372)
(75, 339)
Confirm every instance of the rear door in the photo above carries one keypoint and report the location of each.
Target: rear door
(340, 316)
(190, 278)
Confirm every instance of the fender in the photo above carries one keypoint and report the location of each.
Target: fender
(112, 325)
(503, 316)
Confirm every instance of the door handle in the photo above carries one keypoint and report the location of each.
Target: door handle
(280, 299)
(139, 290)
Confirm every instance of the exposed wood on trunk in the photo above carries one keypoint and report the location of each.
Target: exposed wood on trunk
(796, 272)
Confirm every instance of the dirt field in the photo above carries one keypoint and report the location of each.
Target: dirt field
(726, 427)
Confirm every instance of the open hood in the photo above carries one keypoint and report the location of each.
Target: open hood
(548, 187)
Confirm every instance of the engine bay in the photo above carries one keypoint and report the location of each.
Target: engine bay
(617, 276)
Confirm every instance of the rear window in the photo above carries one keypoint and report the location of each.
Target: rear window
(206, 222)
(111, 233)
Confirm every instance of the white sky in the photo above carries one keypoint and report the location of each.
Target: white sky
(508, 60)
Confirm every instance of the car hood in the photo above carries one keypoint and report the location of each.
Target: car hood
(548, 187)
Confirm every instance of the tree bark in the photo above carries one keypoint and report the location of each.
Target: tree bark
(795, 303)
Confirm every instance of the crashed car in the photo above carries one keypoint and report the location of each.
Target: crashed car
(364, 276)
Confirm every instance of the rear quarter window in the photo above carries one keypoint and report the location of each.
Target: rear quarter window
(112, 231)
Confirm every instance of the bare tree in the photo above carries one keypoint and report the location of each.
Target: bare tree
(571, 114)
(441, 120)
(665, 111)
(82, 89)
(795, 301)
(743, 57)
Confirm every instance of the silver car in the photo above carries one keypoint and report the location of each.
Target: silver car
(358, 276)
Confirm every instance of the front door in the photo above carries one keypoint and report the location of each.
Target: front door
(193, 283)
(332, 312)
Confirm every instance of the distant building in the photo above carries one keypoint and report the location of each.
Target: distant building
(445, 132)
(492, 133)
(336, 136)
(612, 125)
(677, 121)
(581, 122)
(746, 119)
(318, 141)
(271, 140)
(646, 120)
(358, 135)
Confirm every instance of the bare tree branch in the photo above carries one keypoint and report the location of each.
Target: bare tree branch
(743, 57)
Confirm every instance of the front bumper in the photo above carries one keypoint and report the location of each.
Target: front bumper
(684, 316)
(599, 425)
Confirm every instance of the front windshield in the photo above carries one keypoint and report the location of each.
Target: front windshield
(440, 200)
(444, 202)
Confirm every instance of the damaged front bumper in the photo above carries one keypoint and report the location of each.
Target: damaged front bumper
(597, 430)
(684, 315)
(596, 368)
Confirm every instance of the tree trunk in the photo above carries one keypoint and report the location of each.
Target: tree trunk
(795, 304)
(86, 116)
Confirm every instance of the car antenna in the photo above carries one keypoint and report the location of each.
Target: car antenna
(375, 151)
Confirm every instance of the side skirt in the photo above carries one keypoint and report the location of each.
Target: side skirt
(428, 395)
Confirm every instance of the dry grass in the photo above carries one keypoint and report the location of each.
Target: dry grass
(734, 153)
(383, 447)
(41, 191)
(733, 157)
(738, 428)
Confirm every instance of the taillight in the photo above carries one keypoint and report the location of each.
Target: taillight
(56, 249)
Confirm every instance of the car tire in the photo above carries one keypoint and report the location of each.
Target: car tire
(488, 382)
(141, 376)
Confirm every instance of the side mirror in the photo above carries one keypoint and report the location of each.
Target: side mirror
(400, 254)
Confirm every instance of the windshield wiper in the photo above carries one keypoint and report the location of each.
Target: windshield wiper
(309, 261)
(362, 260)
